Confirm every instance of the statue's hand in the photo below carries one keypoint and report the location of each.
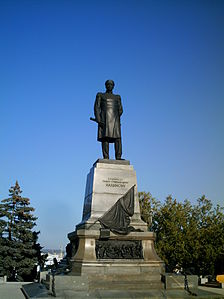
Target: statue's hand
(101, 124)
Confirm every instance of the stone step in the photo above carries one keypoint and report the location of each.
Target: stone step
(125, 277)
(78, 283)
(93, 283)
(121, 285)
(123, 282)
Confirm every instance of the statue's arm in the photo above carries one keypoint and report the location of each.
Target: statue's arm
(97, 108)
(120, 106)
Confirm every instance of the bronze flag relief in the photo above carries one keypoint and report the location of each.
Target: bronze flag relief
(117, 218)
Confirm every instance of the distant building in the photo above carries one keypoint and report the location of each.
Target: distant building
(58, 254)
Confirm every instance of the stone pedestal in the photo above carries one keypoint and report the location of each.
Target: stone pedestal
(107, 181)
(112, 261)
(117, 262)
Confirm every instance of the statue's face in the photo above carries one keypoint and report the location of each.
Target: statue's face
(109, 86)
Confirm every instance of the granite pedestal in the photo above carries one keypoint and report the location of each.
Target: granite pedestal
(107, 181)
(113, 261)
(108, 265)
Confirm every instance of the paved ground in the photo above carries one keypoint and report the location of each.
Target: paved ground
(214, 290)
(12, 290)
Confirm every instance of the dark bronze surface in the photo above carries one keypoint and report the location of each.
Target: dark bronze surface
(117, 249)
(104, 233)
(107, 110)
(117, 218)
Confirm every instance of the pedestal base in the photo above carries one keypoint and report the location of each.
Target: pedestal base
(117, 262)
(106, 260)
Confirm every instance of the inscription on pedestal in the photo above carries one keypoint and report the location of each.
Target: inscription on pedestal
(115, 182)
(116, 249)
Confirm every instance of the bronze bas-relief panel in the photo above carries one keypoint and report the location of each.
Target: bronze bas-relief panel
(117, 249)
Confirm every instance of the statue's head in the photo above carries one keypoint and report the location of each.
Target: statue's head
(109, 85)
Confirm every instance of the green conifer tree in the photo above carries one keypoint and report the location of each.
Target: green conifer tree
(17, 239)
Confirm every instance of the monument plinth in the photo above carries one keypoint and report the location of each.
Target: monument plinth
(107, 181)
(108, 259)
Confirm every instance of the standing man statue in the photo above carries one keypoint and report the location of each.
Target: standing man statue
(107, 110)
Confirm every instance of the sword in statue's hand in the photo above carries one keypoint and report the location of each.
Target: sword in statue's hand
(101, 124)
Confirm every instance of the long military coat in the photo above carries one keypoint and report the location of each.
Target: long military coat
(107, 110)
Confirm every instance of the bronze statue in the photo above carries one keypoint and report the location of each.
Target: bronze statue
(107, 110)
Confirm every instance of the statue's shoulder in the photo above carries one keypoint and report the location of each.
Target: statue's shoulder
(99, 94)
(118, 97)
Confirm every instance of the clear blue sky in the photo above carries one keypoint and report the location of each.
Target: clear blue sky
(167, 61)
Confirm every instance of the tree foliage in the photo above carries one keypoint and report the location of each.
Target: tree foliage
(18, 243)
(191, 236)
